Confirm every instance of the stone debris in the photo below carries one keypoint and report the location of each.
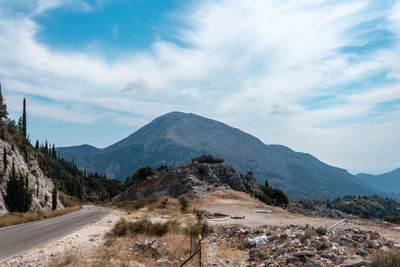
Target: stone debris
(299, 245)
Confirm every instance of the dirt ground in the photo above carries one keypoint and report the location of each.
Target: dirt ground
(238, 204)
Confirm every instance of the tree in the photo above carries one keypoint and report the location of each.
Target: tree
(3, 108)
(37, 145)
(5, 159)
(24, 130)
(18, 197)
(12, 190)
(54, 199)
(53, 151)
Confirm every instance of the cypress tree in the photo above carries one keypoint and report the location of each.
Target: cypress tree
(3, 107)
(12, 198)
(37, 145)
(54, 199)
(25, 197)
(18, 196)
(53, 151)
(24, 130)
(5, 159)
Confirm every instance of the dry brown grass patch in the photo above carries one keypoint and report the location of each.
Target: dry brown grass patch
(230, 253)
(15, 218)
(18, 218)
(54, 213)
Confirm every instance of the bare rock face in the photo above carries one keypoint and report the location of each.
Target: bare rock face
(39, 185)
(193, 179)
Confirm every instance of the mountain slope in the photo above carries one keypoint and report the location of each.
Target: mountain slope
(387, 182)
(176, 137)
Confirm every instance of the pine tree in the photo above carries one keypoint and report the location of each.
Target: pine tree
(54, 199)
(24, 130)
(5, 159)
(3, 108)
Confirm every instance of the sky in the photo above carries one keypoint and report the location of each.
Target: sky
(319, 76)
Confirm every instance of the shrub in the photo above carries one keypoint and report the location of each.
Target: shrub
(264, 198)
(386, 259)
(307, 235)
(184, 203)
(136, 204)
(392, 219)
(142, 226)
(207, 159)
(143, 173)
(321, 231)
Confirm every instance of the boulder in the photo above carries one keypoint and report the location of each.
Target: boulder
(307, 203)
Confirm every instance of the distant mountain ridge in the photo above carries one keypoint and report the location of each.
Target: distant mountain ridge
(387, 182)
(174, 138)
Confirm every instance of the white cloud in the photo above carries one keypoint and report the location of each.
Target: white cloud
(244, 62)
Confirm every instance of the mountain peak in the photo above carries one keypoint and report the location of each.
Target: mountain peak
(176, 137)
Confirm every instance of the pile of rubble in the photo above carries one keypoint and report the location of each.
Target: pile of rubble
(307, 207)
(152, 249)
(302, 246)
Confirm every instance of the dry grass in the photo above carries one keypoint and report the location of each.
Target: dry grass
(230, 253)
(18, 218)
(54, 213)
(68, 201)
(68, 258)
(15, 218)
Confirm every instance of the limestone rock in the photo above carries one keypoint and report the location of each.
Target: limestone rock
(40, 185)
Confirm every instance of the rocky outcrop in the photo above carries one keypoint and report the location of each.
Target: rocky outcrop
(193, 180)
(39, 185)
(307, 207)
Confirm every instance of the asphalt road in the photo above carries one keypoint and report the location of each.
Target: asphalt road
(18, 239)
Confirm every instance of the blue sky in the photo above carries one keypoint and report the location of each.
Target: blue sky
(318, 76)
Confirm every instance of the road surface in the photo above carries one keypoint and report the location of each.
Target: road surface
(18, 239)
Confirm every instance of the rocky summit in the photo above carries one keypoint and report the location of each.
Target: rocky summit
(193, 180)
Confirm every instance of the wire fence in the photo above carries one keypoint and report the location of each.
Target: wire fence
(197, 232)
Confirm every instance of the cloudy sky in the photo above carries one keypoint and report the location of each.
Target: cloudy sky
(321, 77)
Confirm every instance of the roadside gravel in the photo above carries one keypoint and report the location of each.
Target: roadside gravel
(84, 240)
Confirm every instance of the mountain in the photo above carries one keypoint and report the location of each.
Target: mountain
(174, 138)
(387, 182)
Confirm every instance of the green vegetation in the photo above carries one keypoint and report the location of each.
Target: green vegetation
(272, 196)
(307, 235)
(142, 226)
(18, 198)
(54, 199)
(207, 159)
(73, 181)
(392, 219)
(321, 230)
(366, 206)
(184, 203)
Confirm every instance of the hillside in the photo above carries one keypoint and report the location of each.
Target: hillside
(176, 137)
(387, 182)
(366, 206)
(39, 185)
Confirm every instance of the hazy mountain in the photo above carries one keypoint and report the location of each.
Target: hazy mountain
(176, 137)
(387, 182)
